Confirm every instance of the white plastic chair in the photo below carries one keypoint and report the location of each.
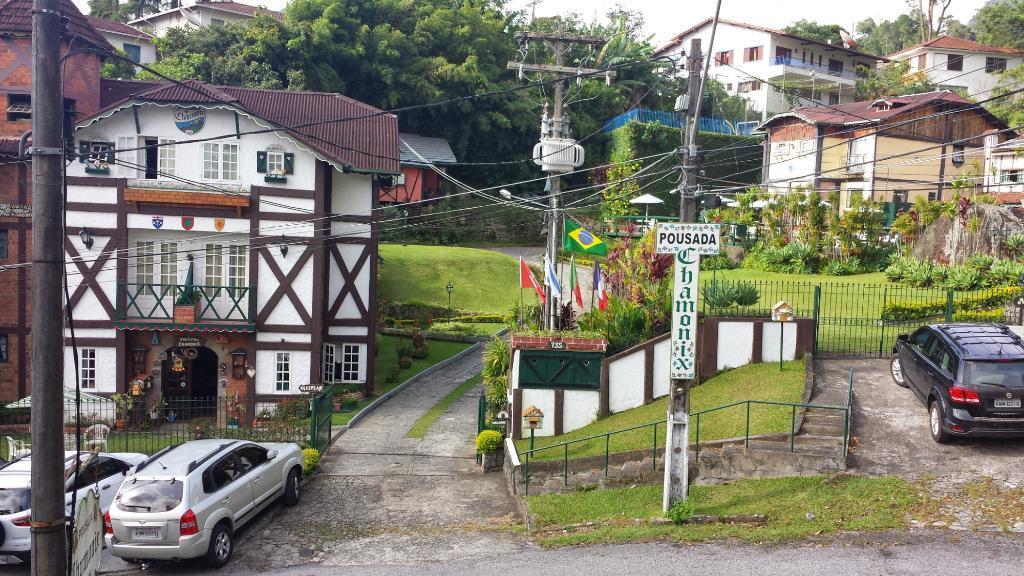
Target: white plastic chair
(17, 448)
(96, 437)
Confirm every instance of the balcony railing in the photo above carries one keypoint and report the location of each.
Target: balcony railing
(848, 71)
(143, 302)
(855, 163)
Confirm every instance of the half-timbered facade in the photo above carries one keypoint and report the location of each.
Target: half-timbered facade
(222, 240)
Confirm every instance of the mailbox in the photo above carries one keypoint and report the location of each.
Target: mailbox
(782, 312)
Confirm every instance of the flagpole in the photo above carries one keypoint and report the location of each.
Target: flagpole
(520, 291)
(593, 285)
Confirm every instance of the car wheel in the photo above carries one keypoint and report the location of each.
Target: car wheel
(935, 419)
(221, 545)
(896, 369)
(291, 488)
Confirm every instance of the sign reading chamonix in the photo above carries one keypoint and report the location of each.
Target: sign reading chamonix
(688, 242)
(189, 120)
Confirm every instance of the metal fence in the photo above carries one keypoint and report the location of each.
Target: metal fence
(147, 427)
(856, 319)
(321, 415)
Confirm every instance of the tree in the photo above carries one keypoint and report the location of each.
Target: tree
(1000, 23)
(958, 29)
(814, 31)
(931, 15)
(893, 79)
(118, 67)
(1006, 103)
(107, 9)
(887, 36)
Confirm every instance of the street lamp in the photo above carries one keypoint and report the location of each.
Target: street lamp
(449, 287)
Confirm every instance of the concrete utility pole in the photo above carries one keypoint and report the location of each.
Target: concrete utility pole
(48, 537)
(677, 444)
(556, 129)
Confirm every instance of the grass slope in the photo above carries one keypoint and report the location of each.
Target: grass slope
(424, 422)
(753, 382)
(838, 503)
(484, 281)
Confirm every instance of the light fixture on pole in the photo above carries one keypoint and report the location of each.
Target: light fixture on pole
(449, 287)
(284, 246)
(86, 237)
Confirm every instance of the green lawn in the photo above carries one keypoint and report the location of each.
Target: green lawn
(387, 356)
(839, 503)
(420, 427)
(753, 382)
(484, 281)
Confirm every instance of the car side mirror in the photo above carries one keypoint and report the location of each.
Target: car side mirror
(271, 454)
(903, 337)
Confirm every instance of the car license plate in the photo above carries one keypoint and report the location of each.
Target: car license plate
(146, 533)
(999, 403)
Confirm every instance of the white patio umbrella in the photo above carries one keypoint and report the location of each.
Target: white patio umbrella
(762, 203)
(646, 200)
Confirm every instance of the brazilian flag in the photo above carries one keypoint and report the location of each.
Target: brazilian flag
(582, 241)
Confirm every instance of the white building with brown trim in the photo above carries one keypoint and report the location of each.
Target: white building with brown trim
(222, 240)
(966, 67)
(202, 13)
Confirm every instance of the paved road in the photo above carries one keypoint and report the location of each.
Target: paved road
(890, 431)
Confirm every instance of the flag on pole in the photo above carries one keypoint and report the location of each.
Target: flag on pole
(574, 282)
(526, 279)
(602, 295)
(580, 240)
(551, 279)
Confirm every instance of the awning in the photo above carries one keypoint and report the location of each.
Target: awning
(156, 326)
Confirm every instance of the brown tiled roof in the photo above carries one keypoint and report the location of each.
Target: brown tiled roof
(116, 27)
(113, 91)
(866, 112)
(8, 148)
(953, 43)
(16, 17)
(339, 128)
(239, 8)
(678, 38)
(1009, 197)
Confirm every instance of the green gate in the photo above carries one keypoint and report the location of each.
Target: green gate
(321, 411)
(560, 369)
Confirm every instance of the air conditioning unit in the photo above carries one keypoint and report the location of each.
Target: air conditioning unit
(558, 155)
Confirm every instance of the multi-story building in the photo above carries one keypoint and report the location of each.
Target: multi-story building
(200, 14)
(964, 66)
(1004, 169)
(135, 43)
(890, 149)
(221, 240)
(773, 70)
(82, 96)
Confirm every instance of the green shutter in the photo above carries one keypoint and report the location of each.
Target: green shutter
(110, 154)
(83, 150)
(289, 163)
(261, 162)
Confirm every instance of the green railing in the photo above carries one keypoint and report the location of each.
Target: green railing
(321, 408)
(147, 302)
(526, 456)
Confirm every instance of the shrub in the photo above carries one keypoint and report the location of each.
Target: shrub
(421, 352)
(726, 294)
(488, 441)
(717, 262)
(450, 328)
(937, 307)
(497, 358)
(995, 315)
(980, 262)
(479, 318)
(311, 460)
(843, 267)
(682, 511)
(962, 278)
(392, 376)
(746, 294)
(793, 258)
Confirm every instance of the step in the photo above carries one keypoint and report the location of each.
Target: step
(822, 429)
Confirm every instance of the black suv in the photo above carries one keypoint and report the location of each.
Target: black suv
(970, 376)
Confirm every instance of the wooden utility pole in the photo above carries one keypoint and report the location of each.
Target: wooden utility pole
(677, 441)
(560, 44)
(47, 523)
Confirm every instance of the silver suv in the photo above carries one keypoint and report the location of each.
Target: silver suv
(187, 500)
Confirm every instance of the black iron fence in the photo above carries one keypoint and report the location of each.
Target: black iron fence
(147, 427)
(857, 319)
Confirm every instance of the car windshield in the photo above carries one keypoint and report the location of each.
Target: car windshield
(14, 500)
(149, 495)
(1005, 374)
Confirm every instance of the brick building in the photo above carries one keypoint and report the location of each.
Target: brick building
(82, 95)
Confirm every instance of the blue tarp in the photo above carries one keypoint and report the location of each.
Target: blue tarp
(674, 120)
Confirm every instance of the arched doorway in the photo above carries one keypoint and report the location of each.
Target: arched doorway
(190, 380)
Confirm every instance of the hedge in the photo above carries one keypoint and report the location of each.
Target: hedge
(937, 307)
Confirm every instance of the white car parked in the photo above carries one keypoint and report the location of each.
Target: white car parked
(102, 473)
(187, 500)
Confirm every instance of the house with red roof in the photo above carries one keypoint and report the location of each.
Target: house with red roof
(893, 149)
(202, 13)
(135, 43)
(964, 66)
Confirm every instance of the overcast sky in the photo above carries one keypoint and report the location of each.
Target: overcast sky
(665, 18)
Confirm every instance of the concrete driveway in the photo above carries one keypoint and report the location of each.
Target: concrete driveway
(890, 431)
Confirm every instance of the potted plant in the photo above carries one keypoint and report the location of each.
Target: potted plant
(157, 411)
(404, 357)
(123, 404)
(347, 398)
(262, 419)
(489, 445)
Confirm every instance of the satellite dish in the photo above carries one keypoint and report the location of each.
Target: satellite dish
(848, 40)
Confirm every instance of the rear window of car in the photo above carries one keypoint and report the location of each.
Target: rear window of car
(150, 495)
(14, 500)
(1006, 374)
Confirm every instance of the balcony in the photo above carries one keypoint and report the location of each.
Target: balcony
(159, 306)
(855, 164)
(794, 67)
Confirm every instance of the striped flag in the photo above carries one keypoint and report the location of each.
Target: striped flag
(551, 279)
(574, 283)
(602, 295)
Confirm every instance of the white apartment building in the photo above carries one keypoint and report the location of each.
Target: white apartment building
(774, 70)
(135, 43)
(1004, 169)
(963, 66)
(200, 14)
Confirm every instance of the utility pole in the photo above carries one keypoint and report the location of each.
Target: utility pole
(677, 442)
(48, 536)
(557, 152)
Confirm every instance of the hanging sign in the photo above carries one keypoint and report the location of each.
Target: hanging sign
(190, 342)
(189, 120)
(688, 242)
(87, 539)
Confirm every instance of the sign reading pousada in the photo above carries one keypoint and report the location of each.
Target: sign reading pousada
(688, 242)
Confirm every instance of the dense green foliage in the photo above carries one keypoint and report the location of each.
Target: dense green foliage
(1000, 23)
(980, 271)
(893, 79)
(497, 363)
(811, 29)
(488, 441)
(937, 307)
